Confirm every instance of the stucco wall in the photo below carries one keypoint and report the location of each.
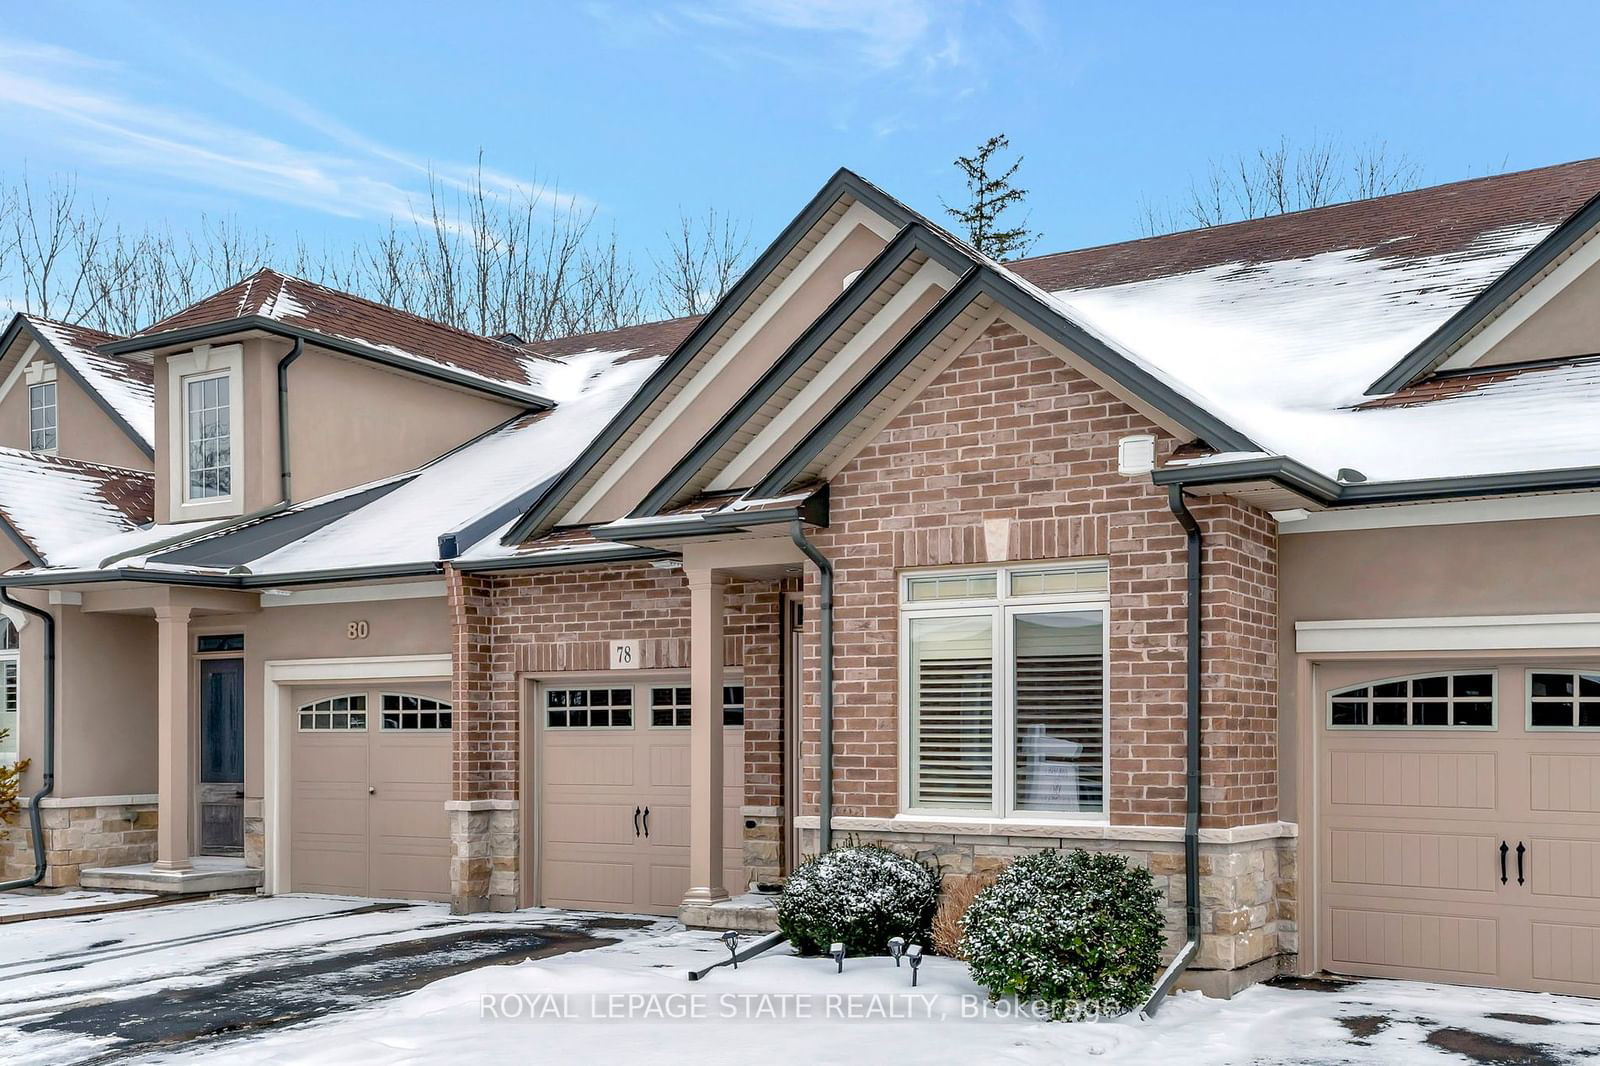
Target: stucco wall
(84, 430)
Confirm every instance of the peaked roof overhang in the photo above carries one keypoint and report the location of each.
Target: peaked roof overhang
(1437, 347)
(20, 324)
(211, 330)
(980, 278)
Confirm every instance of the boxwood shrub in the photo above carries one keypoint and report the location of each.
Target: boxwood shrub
(1075, 931)
(860, 897)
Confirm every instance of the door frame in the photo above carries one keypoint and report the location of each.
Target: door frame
(200, 788)
(280, 678)
(1307, 720)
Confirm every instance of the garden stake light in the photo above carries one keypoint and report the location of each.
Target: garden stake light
(837, 951)
(731, 939)
(914, 953)
(897, 945)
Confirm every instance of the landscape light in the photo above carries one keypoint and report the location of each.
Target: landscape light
(731, 939)
(897, 947)
(837, 951)
(914, 953)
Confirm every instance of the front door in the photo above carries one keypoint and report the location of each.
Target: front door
(221, 791)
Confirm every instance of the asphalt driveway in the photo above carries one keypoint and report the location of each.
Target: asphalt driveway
(108, 986)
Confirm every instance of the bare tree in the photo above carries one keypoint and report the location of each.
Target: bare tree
(702, 259)
(1280, 178)
(53, 233)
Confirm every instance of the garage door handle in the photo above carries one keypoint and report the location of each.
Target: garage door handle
(647, 821)
(371, 791)
(1521, 851)
(636, 821)
(1504, 849)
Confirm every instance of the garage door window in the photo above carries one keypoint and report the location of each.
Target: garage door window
(413, 713)
(669, 706)
(1429, 701)
(341, 713)
(1563, 699)
(589, 708)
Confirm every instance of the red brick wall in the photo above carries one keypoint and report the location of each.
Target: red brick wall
(1008, 431)
(510, 626)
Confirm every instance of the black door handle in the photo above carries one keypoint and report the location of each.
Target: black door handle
(636, 821)
(1521, 851)
(1504, 848)
(647, 821)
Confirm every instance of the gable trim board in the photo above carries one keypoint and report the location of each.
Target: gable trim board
(911, 240)
(191, 334)
(1441, 344)
(18, 323)
(1527, 632)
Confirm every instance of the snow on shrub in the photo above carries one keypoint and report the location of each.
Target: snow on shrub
(1073, 930)
(857, 896)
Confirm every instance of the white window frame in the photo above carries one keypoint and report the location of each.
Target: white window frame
(641, 686)
(205, 362)
(1001, 610)
(1493, 700)
(13, 657)
(440, 706)
(48, 381)
(1527, 699)
(347, 730)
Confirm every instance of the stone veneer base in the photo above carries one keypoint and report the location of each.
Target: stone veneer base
(485, 841)
(89, 831)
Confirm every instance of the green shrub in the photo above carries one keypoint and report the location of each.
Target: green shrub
(859, 897)
(1073, 930)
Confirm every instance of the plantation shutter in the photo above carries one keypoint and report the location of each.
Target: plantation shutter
(1059, 703)
(952, 711)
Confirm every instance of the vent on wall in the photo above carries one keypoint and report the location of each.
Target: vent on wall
(1136, 455)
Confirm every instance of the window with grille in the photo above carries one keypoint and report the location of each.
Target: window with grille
(9, 693)
(335, 714)
(413, 713)
(1428, 701)
(669, 706)
(42, 426)
(208, 439)
(1004, 690)
(589, 708)
(1564, 699)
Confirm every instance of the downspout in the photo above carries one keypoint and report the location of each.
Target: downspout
(1191, 815)
(797, 533)
(35, 823)
(283, 415)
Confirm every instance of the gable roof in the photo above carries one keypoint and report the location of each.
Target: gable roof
(122, 386)
(352, 324)
(49, 503)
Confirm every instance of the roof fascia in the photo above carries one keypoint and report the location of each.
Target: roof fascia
(64, 364)
(1298, 478)
(913, 238)
(619, 554)
(842, 183)
(812, 511)
(1436, 347)
(210, 330)
(23, 544)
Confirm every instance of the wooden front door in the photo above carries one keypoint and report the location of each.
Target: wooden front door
(221, 785)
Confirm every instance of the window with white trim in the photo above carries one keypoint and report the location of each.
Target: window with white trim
(588, 708)
(413, 714)
(208, 437)
(9, 690)
(1004, 694)
(1426, 701)
(669, 706)
(1564, 699)
(336, 714)
(42, 418)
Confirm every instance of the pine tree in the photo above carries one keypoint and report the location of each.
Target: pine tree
(990, 196)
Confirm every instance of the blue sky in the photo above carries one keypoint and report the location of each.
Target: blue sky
(324, 118)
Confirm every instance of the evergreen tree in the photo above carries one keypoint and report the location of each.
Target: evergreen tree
(989, 196)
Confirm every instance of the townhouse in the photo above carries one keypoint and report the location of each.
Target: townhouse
(1256, 553)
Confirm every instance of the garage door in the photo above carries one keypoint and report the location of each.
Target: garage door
(1459, 824)
(370, 776)
(614, 795)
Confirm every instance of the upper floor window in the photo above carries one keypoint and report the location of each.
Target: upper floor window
(208, 443)
(1004, 694)
(1564, 699)
(42, 425)
(1463, 701)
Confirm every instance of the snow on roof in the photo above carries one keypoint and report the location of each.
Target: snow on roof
(127, 384)
(475, 481)
(54, 503)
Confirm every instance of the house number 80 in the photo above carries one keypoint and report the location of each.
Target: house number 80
(357, 630)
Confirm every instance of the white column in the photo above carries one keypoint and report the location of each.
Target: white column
(174, 757)
(706, 589)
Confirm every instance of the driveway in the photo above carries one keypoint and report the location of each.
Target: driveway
(108, 986)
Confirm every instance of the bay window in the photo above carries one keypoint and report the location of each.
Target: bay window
(1003, 690)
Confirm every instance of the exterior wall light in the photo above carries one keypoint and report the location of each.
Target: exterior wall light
(897, 947)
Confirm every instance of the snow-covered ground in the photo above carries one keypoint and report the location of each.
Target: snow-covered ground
(633, 1003)
(13, 904)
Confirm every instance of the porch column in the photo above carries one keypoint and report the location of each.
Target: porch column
(174, 769)
(706, 589)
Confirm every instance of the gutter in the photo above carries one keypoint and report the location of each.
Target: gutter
(1191, 812)
(35, 817)
(1299, 478)
(797, 533)
(283, 415)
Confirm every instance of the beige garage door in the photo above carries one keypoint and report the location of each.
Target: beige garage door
(614, 795)
(370, 774)
(1459, 824)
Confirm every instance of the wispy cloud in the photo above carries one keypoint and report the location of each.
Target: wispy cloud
(882, 34)
(97, 117)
